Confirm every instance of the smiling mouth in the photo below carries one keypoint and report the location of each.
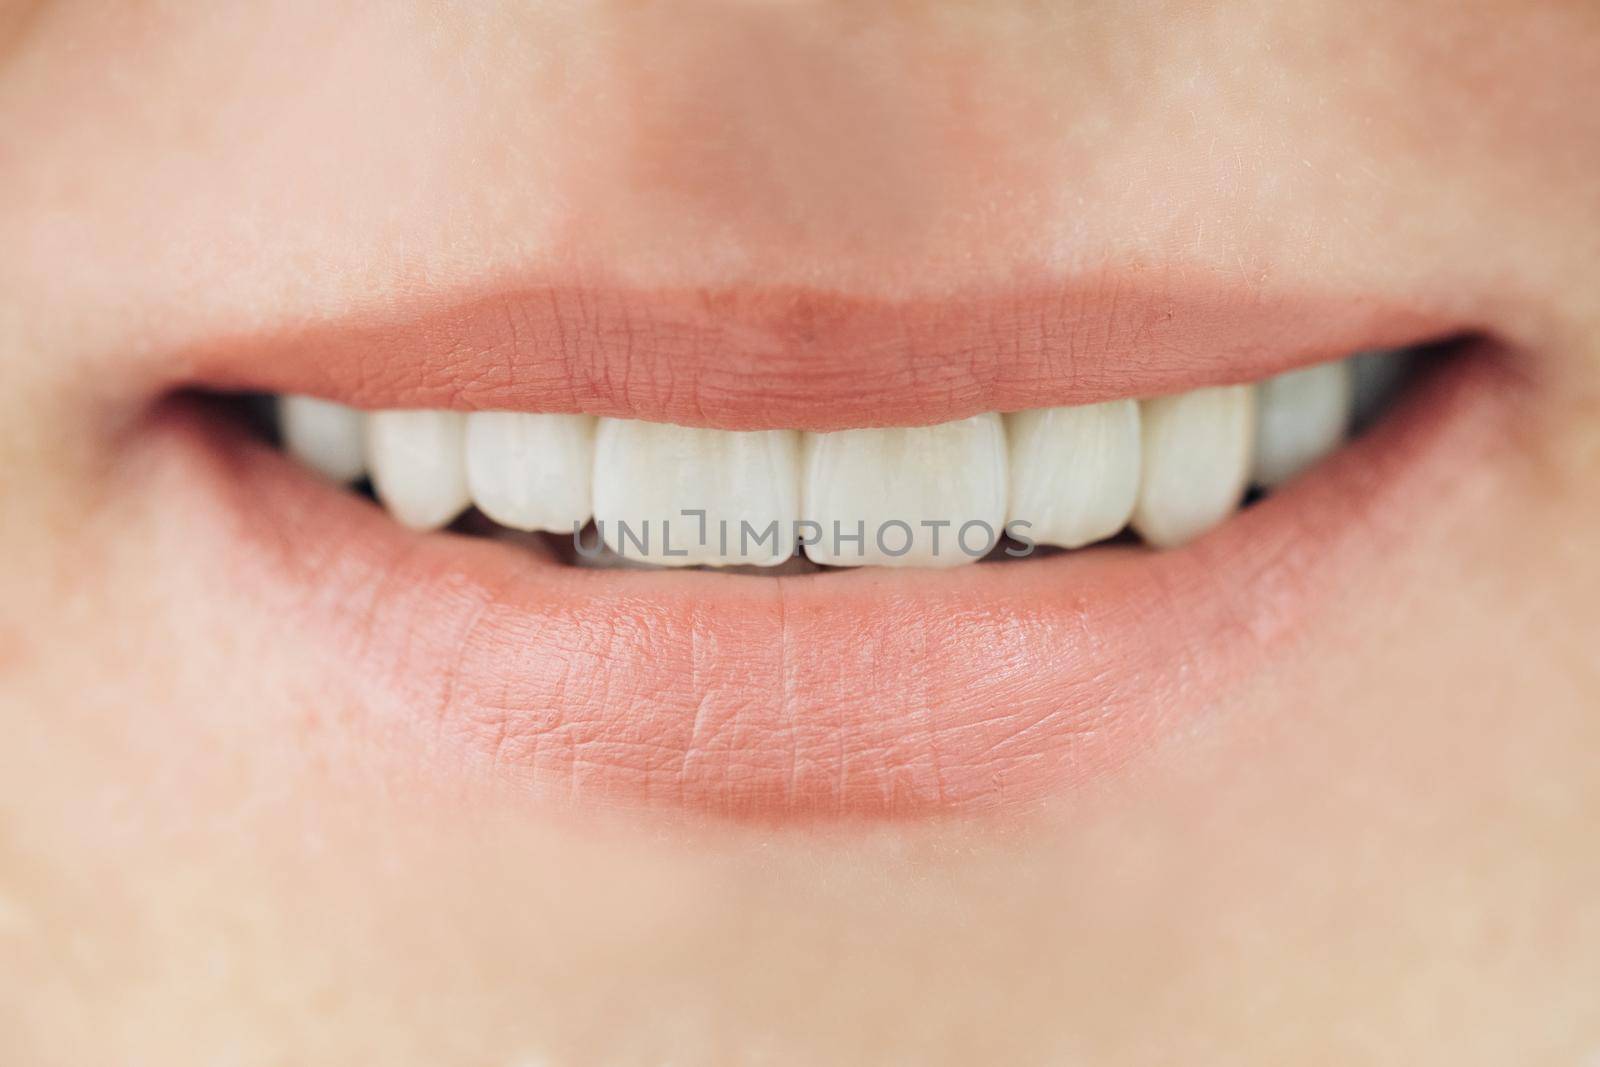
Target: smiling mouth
(774, 611)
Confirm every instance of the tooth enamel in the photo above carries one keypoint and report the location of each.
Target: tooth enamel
(1301, 417)
(418, 465)
(327, 437)
(887, 483)
(1074, 471)
(646, 475)
(531, 471)
(1376, 378)
(1197, 449)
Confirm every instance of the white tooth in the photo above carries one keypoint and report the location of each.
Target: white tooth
(886, 484)
(418, 465)
(325, 436)
(1377, 377)
(647, 475)
(531, 471)
(1197, 452)
(1301, 417)
(1074, 471)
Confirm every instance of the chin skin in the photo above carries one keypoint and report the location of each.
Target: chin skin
(1379, 849)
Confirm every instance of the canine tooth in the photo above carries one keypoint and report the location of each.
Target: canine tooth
(418, 465)
(651, 478)
(531, 471)
(890, 484)
(1074, 471)
(1376, 377)
(1197, 450)
(325, 436)
(1301, 417)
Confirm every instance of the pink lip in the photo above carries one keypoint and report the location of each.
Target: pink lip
(863, 693)
(809, 359)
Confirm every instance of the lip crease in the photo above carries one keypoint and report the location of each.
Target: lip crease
(864, 693)
(757, 358)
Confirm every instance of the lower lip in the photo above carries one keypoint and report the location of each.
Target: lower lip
(864, 693)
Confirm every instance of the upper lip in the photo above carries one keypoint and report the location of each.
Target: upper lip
(756, 358)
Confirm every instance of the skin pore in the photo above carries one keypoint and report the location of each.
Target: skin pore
(1378, 849)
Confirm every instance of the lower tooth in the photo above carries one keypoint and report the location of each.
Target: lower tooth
(531, 471)
(1074, 471)
(325, 436)
(597, 556)
(928, 496)
(418, 465)
(1197, 450)
(1303, 416)
(681, 495)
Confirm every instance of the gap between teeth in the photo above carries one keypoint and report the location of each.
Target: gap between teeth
(1171, 468)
